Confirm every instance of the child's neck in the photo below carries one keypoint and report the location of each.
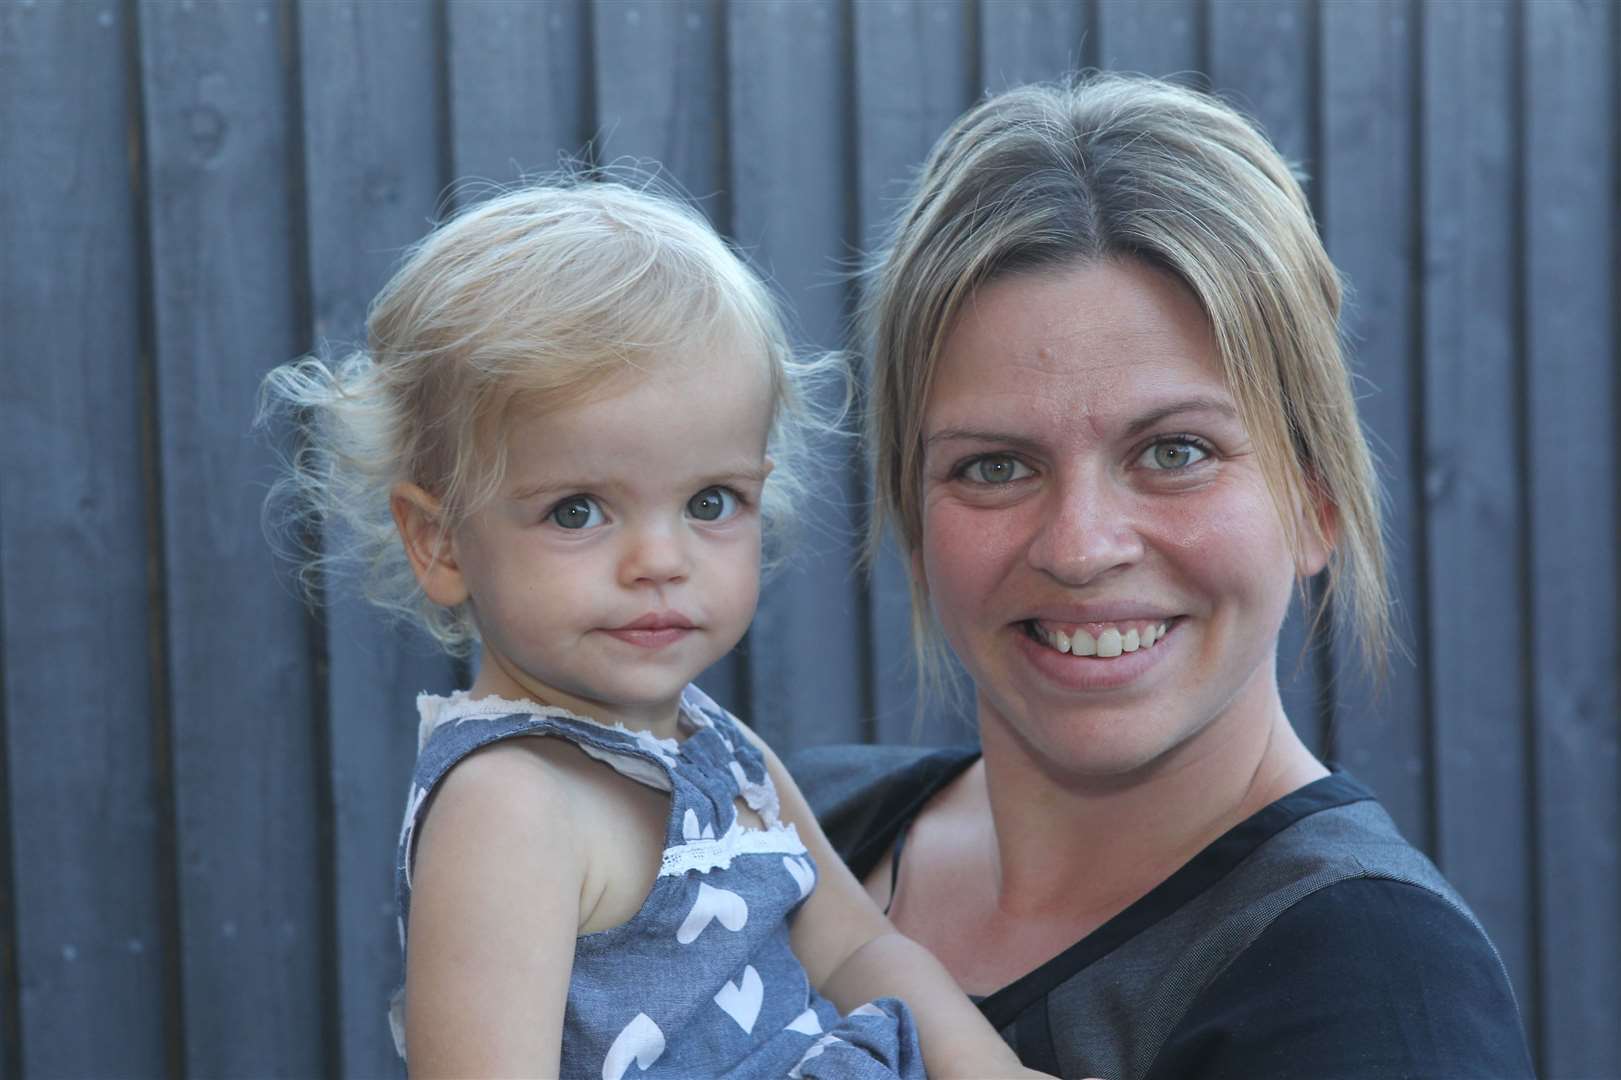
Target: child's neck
(659, 719)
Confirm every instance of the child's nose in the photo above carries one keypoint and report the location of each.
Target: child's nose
(654, 555)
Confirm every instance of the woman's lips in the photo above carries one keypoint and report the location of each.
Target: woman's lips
(1092, 672)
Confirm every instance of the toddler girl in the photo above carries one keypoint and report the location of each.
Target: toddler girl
(556, 450)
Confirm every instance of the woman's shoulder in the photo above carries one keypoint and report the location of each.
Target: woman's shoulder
(1366, 977)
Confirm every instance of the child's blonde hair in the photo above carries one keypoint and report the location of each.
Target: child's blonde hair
(538, 297)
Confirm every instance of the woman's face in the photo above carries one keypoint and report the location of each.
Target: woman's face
(1099, 544)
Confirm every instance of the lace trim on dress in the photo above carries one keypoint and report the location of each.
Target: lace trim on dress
(705, 855)
(438, 711)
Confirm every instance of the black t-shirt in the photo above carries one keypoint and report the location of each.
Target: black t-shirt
(1308, 941)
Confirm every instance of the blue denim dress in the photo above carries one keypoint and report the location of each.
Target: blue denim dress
(701, 982)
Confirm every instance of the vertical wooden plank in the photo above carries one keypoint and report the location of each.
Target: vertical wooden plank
(913, 76)
(1023, 41)
(792, 213)
(519, 87)
(1570, 178)
(246, 753)
(1366, 193)
(1473, 498)
(81, 790)
(1154, 37)
(660, 89)
(371, 101)
(1262, 58)
(661, 92)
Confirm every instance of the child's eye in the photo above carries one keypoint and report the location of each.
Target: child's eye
(1174, 453)
(577, 512)
(713, 504)
(994, 469)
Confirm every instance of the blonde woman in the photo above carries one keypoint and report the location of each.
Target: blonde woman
(1113, 432)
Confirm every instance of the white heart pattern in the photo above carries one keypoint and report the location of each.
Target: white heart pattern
(803, 873)
(742, 999)
(806, 1023)
(818, 1048)
(689, 828)
(712, 903)
(641, 1041)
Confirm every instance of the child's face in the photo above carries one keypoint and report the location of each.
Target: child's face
(622, 556)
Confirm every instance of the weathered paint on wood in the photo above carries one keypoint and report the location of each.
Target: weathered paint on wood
(373, 154)
(793, 219)
(1570, 394)
(913, 69)
(1022, 41)
(1153, 37)
(243, 689)
(82, 797)
(519, 89)
(1464, 163)
(1366, 189)
(1473, 482)
(1262, 57)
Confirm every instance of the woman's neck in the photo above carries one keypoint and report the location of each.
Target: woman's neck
(1091, 846)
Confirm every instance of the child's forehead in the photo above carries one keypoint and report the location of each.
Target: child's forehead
(696, 415)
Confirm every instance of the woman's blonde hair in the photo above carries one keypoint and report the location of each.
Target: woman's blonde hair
(1124, 167)
(537, 297)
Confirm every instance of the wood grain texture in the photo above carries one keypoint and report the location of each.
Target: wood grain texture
(372, 149)
(1154, 37)
(660, 91)
(519, 87)
(246, 753)
(1262, 59)
(81, 799)
(792, 216)
(1023, 41)
(913, 71)
(1570, 179)
(1473, 496)
(1367, 190)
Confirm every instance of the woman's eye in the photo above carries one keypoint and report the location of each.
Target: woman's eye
(577, 512)
(997, 469)
(712, 504)
(1174, 454)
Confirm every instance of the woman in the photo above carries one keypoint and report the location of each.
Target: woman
(1113, 432)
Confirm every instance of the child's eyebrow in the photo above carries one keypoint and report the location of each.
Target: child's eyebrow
(745, 474)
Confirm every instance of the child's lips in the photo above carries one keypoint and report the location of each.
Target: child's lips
(653, 630)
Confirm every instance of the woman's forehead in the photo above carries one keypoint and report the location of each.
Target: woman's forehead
(1111, 341)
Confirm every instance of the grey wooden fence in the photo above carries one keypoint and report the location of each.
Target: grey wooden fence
(202, 780)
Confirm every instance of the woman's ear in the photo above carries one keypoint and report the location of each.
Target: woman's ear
(428, 544)
(1317, 543)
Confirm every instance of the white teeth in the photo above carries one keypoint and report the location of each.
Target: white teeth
(1110, 643)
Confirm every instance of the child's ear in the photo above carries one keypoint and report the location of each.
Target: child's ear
(428, 545)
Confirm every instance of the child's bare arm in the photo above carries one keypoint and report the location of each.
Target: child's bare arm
(495, 906)
(853, 955)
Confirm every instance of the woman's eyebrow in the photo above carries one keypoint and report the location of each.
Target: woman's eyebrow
(1221, 406)
(1001, 438)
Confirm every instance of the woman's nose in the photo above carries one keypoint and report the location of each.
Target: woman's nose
(1087, 530)
(654, 555)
